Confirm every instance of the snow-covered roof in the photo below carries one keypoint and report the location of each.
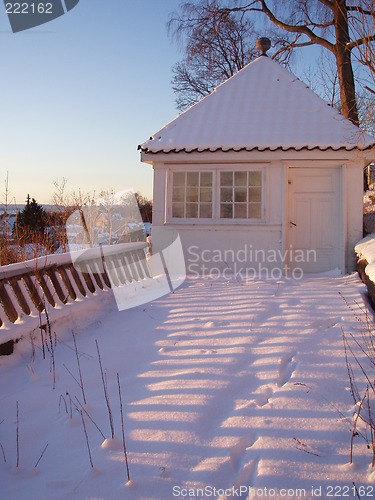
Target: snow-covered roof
(262, 107)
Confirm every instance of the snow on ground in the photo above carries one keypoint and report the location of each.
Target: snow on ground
(225, 384)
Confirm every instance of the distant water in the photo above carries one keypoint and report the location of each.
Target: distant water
(14, 208)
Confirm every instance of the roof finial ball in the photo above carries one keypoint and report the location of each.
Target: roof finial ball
(263, 44)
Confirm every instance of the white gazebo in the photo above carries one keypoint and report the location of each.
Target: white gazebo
(262, 174)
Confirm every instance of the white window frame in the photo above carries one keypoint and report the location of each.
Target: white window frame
(216, 169)
(199, 187)
(232, 187)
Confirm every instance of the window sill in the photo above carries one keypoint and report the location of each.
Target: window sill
(216, 222)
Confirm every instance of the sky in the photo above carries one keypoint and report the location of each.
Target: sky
(78, 95)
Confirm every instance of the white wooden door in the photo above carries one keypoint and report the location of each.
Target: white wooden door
(314, 225)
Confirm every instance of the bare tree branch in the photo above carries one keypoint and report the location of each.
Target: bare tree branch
(291, 47)
(327, 3)
(212, 54)
(357, 8)
(303, 29)
(360, 41)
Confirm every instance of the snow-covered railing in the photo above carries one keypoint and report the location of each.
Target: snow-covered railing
(29, 288)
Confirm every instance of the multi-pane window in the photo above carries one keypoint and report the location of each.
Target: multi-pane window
(238, 194)
(192, 195)
(241, 195)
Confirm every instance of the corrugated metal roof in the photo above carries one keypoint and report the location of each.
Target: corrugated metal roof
(262, 107)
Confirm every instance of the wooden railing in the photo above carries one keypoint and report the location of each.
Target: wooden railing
(29, 288)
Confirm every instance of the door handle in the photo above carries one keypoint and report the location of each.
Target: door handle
(292, 224)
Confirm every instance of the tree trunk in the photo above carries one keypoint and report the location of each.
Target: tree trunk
(343, 60)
